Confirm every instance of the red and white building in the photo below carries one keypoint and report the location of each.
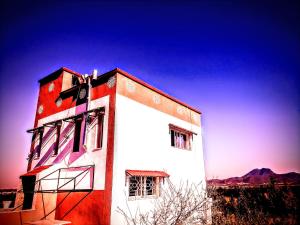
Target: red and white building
(103, 142)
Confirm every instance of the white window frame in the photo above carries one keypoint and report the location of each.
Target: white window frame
(95, 129)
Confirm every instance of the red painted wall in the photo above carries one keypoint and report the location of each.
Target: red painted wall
(81, 208)
(48, 99)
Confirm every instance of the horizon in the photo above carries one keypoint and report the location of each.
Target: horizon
(238, 63)
(252, 171)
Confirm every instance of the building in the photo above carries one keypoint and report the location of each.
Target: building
(102, 142)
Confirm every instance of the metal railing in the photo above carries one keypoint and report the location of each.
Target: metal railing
(88, 168)
(59, 188)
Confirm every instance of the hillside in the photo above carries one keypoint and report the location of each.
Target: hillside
(259, 177)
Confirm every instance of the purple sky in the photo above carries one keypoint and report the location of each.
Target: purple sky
(236, 62)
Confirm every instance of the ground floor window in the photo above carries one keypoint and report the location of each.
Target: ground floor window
(143, 186)
(142, 183)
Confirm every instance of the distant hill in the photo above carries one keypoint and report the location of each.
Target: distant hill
(258, 177)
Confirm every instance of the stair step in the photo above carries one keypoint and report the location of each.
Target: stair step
(49, 222)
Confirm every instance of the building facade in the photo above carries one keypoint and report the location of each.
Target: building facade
(103, 142)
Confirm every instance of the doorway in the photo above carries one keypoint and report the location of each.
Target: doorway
(28, 183)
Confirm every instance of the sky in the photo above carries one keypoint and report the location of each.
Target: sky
(236, 61)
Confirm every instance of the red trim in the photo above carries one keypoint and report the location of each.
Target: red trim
(146, 173)
(153, 88)
(109, 159)
(174, 127)
(35, 171)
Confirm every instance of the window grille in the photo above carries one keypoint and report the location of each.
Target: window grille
(142, 186)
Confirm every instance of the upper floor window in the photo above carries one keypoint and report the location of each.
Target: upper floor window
(99, 130)
(36, 142)
(180, 138)
(40, 142)
(57, 138)
(94, 138)
(77, 134)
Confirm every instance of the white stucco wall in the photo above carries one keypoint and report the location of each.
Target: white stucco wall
(142, 142)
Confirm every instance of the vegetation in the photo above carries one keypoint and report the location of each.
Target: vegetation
(183, 205)
(268, 204)
(264, 204)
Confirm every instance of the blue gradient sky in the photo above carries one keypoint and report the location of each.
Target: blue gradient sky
(237, 62)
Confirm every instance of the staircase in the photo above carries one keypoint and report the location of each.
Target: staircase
(68, 180)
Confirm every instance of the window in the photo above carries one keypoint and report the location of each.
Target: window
(99, 130)
(58, 128)
(143, 183)
(75, 80)
(142, 186)
(36, 142)
(39, 148)
(94, 139)
(180, 138)
(77, 132)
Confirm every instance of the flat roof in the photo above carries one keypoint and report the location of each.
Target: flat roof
(124, 73)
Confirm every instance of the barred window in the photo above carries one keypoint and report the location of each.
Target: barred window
(143, 186)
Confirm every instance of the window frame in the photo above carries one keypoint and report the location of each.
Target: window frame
(99, 135)
(95, 120)
(176, 131)
(142, 175)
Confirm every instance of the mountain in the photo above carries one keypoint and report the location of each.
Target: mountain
(258, 177)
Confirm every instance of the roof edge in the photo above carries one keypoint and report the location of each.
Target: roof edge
(128, 75)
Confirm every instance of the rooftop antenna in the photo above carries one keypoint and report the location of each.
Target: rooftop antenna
(95, 74)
